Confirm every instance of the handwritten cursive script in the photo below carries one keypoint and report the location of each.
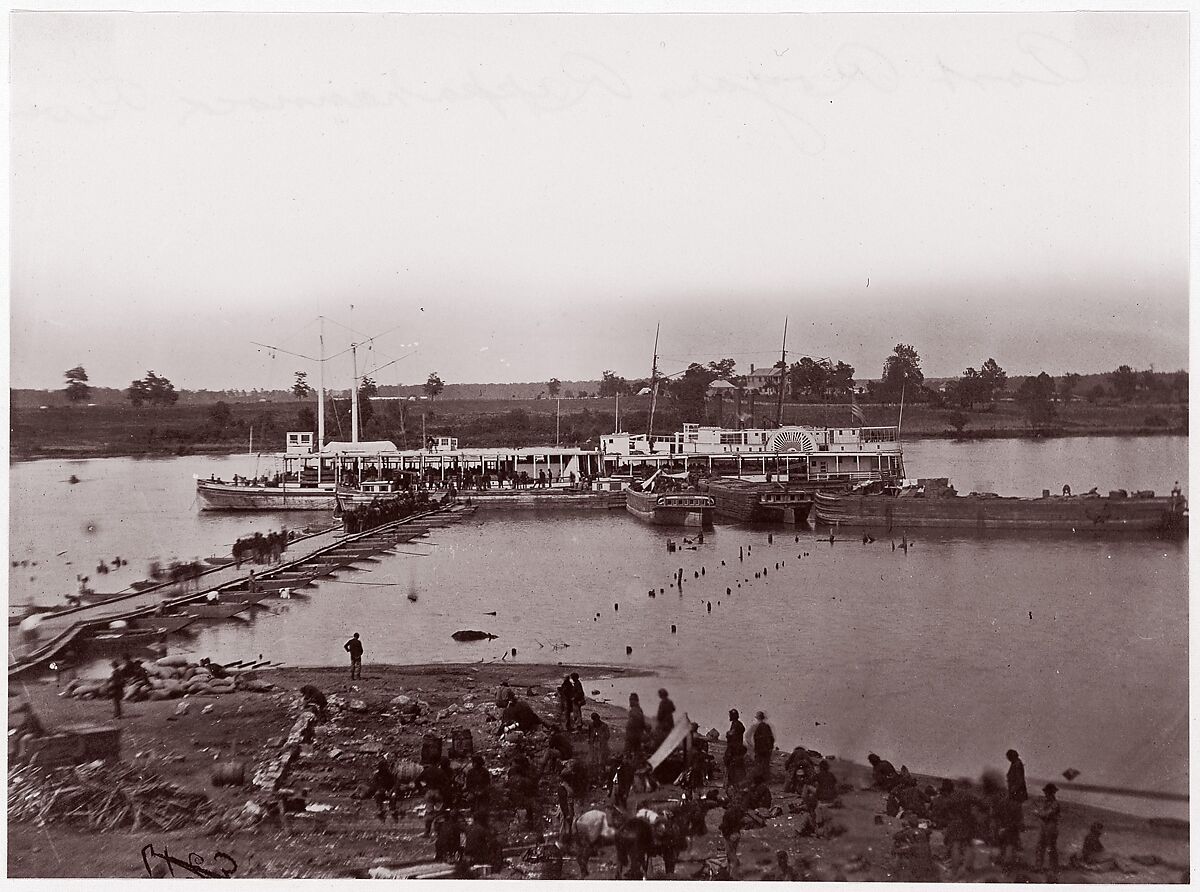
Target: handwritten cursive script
(193, 865)
(1042, 60)
(850, 65)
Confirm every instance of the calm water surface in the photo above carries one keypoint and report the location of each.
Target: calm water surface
(1072, 650)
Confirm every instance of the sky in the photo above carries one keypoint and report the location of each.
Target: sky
(519, 197)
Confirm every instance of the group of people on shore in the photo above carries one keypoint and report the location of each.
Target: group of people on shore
(546, 767)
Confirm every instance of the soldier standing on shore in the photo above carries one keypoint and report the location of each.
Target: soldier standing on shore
(354, 647)
(1017, 792)
(635, 727)
(762, 738)
(735, 751)
(598, 744)
(664, 720)
(1048, 812)
(116, 684)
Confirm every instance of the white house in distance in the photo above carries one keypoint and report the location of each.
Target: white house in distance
(763, 380)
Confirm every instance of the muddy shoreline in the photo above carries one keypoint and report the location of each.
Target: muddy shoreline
(344, 836)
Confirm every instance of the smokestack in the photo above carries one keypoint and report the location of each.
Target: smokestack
(751, 368)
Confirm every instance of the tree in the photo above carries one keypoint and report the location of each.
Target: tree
(1069, 382)
(992, 378)
(434, 385)
(724, 369)
(958, 420)
(902, 371)
(301, 389)
(841, 379)
(138, 392)
(306, 419)
(553, 386)
(220, 414)
(77, 388)
(153, 389)
(368, 388)
(809, 377)
(1036, 396)
(612, 384)
(689, 390)
(1124, 382)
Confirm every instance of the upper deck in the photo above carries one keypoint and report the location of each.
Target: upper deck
(696, 439)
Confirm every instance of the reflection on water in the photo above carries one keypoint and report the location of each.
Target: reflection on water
(1073, 650)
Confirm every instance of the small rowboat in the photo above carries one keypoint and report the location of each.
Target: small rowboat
(219, 611)
(143, 585)
(261, 586)
(219, 561)
(147, 629)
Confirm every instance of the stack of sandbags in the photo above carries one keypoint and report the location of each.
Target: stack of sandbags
(166, 679)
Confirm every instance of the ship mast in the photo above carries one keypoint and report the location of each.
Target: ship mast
(321, 388)
(354, 395)
(653, 391)
(782, 376)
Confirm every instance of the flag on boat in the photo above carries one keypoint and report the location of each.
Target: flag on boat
(856, 411)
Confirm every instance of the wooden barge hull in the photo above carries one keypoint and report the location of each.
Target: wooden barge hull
(670, 509)
(756, 502)
(235, 497)
(1069, 513)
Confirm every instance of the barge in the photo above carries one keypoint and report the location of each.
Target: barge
(934, 503)
(668, 504)
(751, 501)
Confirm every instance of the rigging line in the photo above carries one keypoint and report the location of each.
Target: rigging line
(348, 328)
(379, 368)
(301, 330)
(281, 350)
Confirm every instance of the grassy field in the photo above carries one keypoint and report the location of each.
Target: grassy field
(81, 431)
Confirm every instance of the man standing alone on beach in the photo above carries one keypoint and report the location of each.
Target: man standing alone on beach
(355, 649)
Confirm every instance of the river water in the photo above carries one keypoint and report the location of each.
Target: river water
(1073, 650)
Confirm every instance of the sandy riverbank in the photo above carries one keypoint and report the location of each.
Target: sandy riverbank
(347, 838)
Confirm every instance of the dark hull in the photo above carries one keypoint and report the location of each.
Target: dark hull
(753, 502)
(1071, 513)
(670, 509)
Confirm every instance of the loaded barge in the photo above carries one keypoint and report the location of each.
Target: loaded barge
(934, 503)
(750, 501)
(663, 501)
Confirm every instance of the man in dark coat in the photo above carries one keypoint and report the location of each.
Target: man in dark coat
(1016, 777)
(578, 700)
(764, 746)
(1017, 792)
(116, 687)
(664, 720)
(635, 727)
(883, 773)
(354, 647)
(735, 750)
